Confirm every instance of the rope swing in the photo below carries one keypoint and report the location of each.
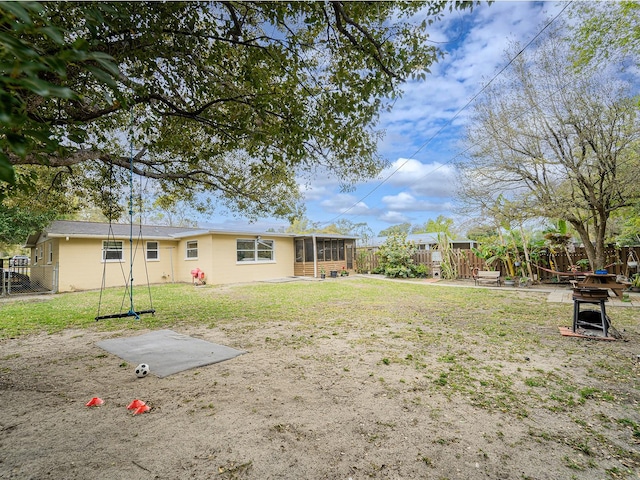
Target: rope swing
(132, 312)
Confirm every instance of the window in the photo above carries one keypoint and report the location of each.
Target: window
(192, 249)
(255, 250)
(299, 250)
(153, 251)
(308, 249)
(112, 250)
(265, 250)
(330, 250)
(324, 250)
(49, 252)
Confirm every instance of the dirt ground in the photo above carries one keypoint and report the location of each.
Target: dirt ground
(324, 405)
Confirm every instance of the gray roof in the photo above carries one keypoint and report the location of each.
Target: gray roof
(79, 229)
(61, 228)
(332, 236)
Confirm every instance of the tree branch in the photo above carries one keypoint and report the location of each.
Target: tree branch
(341, 15)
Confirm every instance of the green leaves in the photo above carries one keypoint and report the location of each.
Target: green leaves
(6, 171)
(35, 64)
(396, 256)
(605, 32)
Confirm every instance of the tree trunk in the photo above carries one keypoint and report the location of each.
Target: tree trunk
(526, 252)
(595, 249)
(601, 231)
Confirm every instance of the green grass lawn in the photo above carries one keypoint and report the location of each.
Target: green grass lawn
(457, 325)
(497, 314)
(497, 350)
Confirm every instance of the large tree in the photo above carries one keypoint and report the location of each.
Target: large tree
(235, 99)
(400, 229)
(441, 224)
(604, 32)
(558, 143)
(29, 207)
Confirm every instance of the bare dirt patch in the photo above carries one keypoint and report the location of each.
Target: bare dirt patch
(417, 396)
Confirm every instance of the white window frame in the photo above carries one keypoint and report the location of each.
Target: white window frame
(191, 247)
(259, 245)
(49, 253)
(156, 250)
(107, 249)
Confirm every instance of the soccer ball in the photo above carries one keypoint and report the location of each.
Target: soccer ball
(142, 370)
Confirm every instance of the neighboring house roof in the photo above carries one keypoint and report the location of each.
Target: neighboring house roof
(418, 239)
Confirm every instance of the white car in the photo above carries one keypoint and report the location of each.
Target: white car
(19, 261)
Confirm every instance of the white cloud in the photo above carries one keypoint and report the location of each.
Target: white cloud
(393, 217)
(405, 202)
(425, 179)
(315, 192)
(402, 202)
(345, 203)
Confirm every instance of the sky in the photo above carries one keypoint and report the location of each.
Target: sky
(424, 128)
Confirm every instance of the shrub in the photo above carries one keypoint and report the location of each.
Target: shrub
(396, 256)
(398, 272)
(420, 271)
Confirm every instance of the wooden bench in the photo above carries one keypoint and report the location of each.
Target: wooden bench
(489, 276)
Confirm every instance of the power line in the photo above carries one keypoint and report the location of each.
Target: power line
(447, 124)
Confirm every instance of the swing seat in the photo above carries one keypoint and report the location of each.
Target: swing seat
(125, 315)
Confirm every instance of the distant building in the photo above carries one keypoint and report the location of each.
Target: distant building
(424, 241)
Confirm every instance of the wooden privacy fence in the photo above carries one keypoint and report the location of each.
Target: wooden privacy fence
(616, 262)
(466, 261)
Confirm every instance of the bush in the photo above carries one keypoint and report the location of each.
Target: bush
(420, 271)
(396, 257)
(398, 272)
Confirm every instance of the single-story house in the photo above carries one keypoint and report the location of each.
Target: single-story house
(73, 255)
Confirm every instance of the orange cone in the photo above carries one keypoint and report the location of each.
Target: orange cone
(141, 409)
(136, 404)
(94, 402)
